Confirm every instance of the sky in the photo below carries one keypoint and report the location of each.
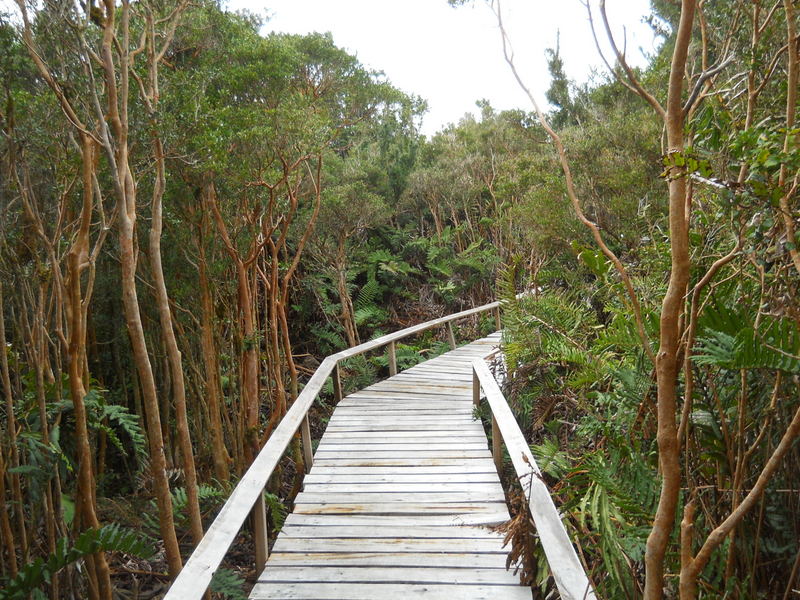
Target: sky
(452, 57)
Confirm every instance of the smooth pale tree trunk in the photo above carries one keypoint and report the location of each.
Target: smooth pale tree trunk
(171, 344)
(133, 320)
(668, 362)
(248, 354)
(9, 539)
(220, 456)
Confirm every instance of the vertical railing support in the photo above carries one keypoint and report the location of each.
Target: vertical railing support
(450, 335)
(337, 384)
(392, 359)
(497, 320)
(497, 446)
(476, 389)
(308, 450)
(260, 535)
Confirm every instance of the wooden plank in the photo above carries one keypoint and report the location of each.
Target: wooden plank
(387, 559)
(396, 487)
(390, 436)
(401, 418)
(401, 532)
(358, 591)
(339, 497)
(338, 478)
(400, 508)
(419, 408)
(406, 575)
(382, 521)
(474, 463)
(349, 447)
(452, 427)
(404, 454)
(408, 381)
(567, 570)
(443, 545)
(414, 468)
(418, 373)
(425, 370)
(407, 394)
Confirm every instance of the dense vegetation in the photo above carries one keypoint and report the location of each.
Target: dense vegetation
(194, 214)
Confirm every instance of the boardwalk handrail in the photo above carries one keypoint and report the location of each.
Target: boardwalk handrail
(193, 580)
(570, 578)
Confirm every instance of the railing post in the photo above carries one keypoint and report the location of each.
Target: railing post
(337, 384)
(308, 450)
(260, 535)
(476, 388)
(392, 359)
(450, 335)
(497, 446)
(497, 320)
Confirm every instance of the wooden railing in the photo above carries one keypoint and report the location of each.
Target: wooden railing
(568, 573)
(248, 495)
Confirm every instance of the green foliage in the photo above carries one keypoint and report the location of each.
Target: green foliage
(775, 344)
(277, 510)
(111, 419)
(110, 538)
(229, 584)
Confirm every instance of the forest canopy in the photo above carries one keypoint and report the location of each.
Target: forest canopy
(193, 215)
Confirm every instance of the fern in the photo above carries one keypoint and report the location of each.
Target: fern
(110, 538)
(127, 422)
(775, 346)
(369, 315)
(367, 295)
(228, 584)
(277, 510)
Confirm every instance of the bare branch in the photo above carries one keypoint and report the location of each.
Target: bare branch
(571, 193)
(700, 83)
(634, 82)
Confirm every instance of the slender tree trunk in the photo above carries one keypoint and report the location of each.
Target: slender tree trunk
(76, 263)
(220, 456)
(667, 358)
(171, 344)
(11, 432)
(248, 353)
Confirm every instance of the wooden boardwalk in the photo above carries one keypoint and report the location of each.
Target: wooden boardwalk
(399, 496)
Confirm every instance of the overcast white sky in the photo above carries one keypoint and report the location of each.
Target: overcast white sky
(453, 57)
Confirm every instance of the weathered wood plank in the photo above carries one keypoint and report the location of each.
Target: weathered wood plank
(337, 478)
(403, 488)
(485, 519)
(400, 508)
(398, 531)
(463, 444)
(333, 497)
(469, 463)
(411, 468)
(404, 435)
(454, 429)
(407, 575)
(374, 453)
(387, 559)
(442, 545)
(356, 591)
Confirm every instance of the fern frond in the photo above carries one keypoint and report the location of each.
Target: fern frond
(110, 538)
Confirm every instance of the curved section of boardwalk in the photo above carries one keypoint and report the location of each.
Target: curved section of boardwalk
(397, 502)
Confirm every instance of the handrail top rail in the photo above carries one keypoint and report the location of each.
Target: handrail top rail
(566, 568)
(194, 578)
(408, 331)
